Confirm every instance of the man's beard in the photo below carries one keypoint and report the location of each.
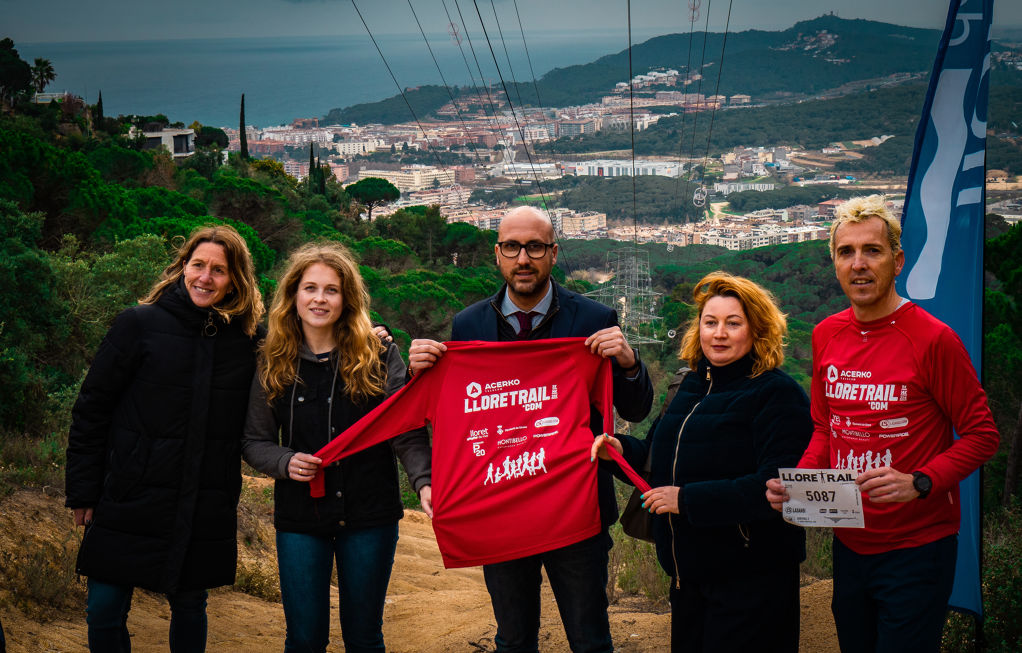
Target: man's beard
(528, 288)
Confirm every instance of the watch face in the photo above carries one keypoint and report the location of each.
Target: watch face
(922, 483)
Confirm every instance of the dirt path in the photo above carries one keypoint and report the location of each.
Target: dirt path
(429, 609)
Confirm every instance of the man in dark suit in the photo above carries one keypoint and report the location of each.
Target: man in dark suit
(532, 306)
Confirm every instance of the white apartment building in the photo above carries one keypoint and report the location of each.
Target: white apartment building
(736, 240)
(737, 187)
(412, 177)
(444, 196)
(354, 148)
(622, 168)
(294, 136)
(542, 132)
(583, 223)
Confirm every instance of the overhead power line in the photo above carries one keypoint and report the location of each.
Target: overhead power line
(716, 91)
(447, 86)
(486, 87)
(514, 117)
(399, 89)
(472, 78)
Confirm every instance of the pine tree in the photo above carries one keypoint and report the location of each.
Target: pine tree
(242, 136)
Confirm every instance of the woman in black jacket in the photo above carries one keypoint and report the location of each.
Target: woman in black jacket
(735, 420)
(320, 370)
(153, 456)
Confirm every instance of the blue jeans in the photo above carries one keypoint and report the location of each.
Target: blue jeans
(364, 557)
(578, 577)
(894, 601)
(107, 616)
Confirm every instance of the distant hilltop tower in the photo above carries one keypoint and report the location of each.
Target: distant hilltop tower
(630, 293)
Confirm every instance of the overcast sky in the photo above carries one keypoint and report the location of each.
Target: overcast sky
(119, 20)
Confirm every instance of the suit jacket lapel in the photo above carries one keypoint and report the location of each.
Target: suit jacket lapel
(488, 327)
(564, 319)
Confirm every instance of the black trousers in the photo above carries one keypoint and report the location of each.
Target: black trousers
(893, 601)
(578, 578)
(748, 613)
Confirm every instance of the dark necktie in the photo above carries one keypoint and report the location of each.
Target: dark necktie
(525, 322)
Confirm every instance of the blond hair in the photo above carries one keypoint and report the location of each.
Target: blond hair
(358, 350)
(767, 324)
(244, 301)
(860, 209)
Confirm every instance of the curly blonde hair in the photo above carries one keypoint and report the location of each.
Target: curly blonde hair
(359, 351)
(767, 324)
(244, 301)
(860, 209)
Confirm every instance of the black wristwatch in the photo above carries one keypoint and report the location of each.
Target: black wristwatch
(922, 483)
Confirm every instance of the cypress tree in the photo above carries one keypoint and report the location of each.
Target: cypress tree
(313, 184)
(99, 111)
(242, 136)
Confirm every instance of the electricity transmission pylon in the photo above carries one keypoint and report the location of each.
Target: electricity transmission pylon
(630, 292)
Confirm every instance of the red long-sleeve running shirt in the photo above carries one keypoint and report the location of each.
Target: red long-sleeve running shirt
(887, 394)
(511, 439)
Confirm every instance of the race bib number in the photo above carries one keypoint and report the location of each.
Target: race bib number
(822, 498)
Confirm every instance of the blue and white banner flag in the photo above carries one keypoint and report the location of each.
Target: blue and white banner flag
(943, 223)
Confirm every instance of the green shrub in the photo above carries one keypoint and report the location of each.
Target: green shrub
(634, 569)
(409, 497)
(41, 577)
(819, 562)
(257, 579)
(1002, 589)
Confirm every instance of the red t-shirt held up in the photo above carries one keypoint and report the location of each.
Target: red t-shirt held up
(511, 440)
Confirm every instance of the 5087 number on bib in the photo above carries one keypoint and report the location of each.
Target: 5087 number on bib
(822, 498)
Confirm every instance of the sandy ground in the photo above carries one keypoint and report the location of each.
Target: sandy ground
(429, 609)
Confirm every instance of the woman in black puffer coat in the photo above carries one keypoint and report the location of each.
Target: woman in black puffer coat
(737, 418)
(153, 457)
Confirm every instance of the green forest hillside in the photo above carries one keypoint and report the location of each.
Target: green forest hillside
(809, 57)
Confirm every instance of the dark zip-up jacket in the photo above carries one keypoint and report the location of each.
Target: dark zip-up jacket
(362, 490)
(723, 436)
(155, 447)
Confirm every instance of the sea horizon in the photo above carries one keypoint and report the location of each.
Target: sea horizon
(289, 77)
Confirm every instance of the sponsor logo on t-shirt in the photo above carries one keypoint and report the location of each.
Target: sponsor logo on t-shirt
(894, 423)
(851, 433)
(833, 374)
(878, 395)
(526, 398)
(475, 434)
(903, 434)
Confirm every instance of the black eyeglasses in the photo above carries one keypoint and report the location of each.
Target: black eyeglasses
(533, 248)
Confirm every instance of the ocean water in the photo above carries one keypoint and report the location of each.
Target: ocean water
(291, 77)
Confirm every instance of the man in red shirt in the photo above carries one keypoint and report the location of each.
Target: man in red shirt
(532, 306)
(890, 381)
